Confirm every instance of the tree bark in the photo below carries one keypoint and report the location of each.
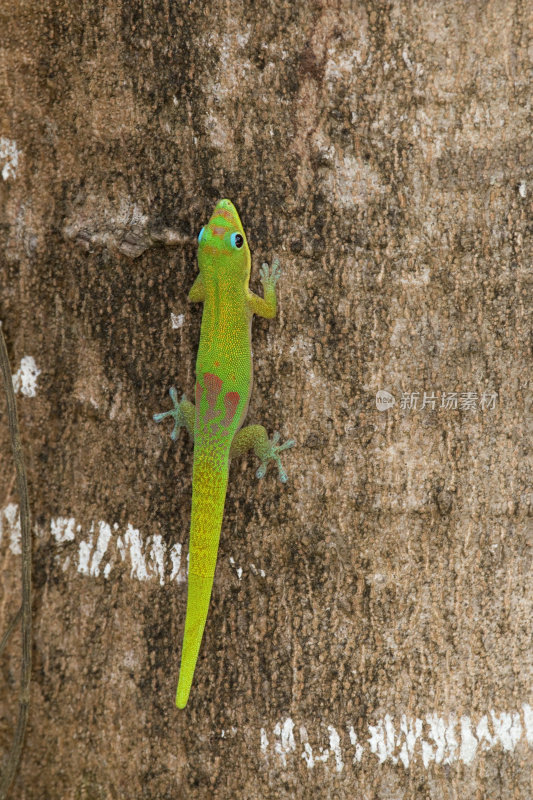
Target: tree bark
(369, 629)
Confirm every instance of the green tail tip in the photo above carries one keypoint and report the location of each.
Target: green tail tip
(184, 683)
(181, 699)
(186, 677)
(198, 595)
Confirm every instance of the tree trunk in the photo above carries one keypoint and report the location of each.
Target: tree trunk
(369, 628)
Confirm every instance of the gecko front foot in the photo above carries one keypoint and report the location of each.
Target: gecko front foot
(271, 452)
(270, 275)
(176, 412)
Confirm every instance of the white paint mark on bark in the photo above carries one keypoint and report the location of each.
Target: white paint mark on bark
(177, 320)
(133, 539)
(102, 542)
(412, 731)
(62, 529)
(484, 736)
(9, 157)
(177, 574)
(358, 750)
(85, 554)
(528, 722)
(25, 379)
(98, 548)
(436, 733)
(381, 739)
(507, 729)
(307, 755)
(335, 746)
(468, 749)
(433, 740)
(157, 554)
(284, 739)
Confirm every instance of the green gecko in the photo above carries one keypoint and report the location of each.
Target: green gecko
(223, 388)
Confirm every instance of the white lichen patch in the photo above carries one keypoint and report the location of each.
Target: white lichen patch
(9, 158)
(25, 378)
(177, 320)
(10, 527)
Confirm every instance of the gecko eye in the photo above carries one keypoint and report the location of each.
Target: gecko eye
(200, 235)
(237, 241)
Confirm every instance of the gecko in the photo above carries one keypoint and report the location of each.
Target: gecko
(222, 394)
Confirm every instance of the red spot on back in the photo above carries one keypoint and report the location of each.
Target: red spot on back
(231, 401)
(213, 385)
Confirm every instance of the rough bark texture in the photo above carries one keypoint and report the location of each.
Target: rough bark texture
(369, 631)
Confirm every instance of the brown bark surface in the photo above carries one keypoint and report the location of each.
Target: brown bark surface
(369, 631)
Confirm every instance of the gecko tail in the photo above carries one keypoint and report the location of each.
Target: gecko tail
(198, 596)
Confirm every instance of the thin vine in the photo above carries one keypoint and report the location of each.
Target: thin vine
(13, 759)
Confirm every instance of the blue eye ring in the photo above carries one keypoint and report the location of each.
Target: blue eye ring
(236, 240)
(200, 235)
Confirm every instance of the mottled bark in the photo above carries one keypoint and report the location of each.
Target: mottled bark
(369, 631)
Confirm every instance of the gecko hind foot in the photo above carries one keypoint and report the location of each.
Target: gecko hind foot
(271, 453)
(176, 413)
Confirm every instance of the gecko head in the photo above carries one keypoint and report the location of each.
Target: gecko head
(222, 245)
